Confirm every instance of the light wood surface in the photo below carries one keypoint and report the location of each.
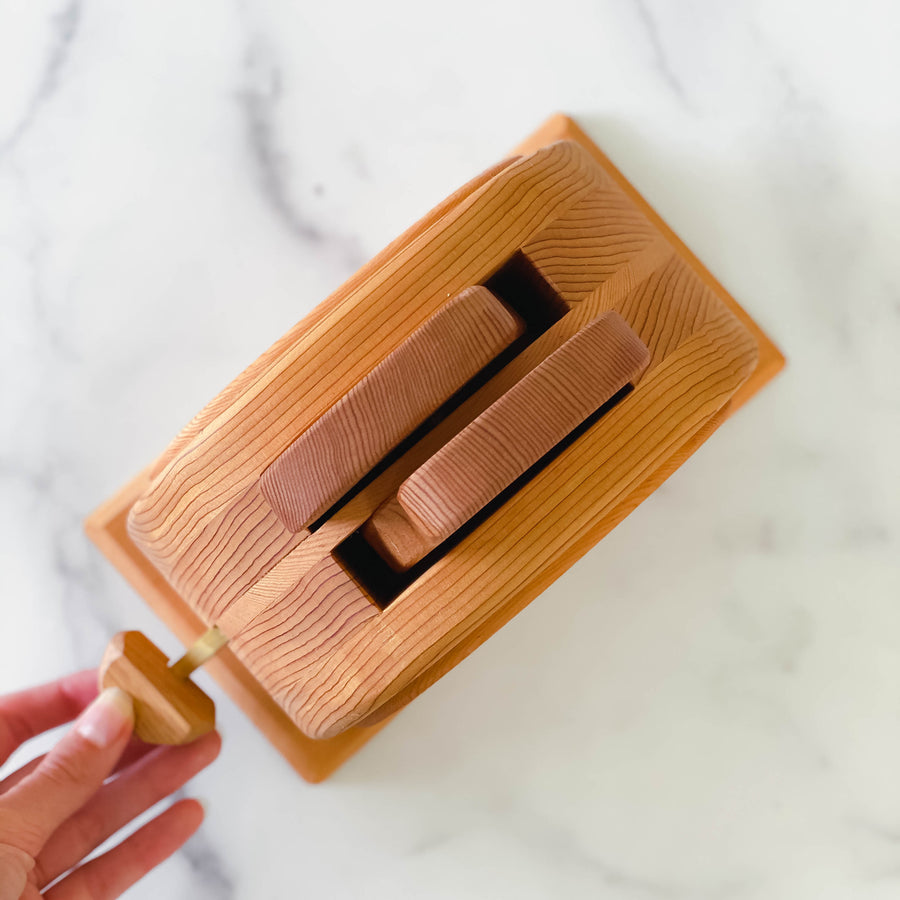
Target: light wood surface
(314, 760)
(499, 617)
(168, 708)
(509, 437)
(232, 553)
(248, 536)
(207, 416)
(396, 538)
(387, 405)
(340, 348)
(525, 423)
(531, 531)
(703, 352)
(771, 360)
(596, 239)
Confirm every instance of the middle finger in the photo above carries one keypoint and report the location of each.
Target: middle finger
(149, 780)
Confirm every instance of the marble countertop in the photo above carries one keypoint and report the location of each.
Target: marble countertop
(719, 680)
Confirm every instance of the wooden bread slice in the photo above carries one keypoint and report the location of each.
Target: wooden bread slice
(507, 439)
(387, 405)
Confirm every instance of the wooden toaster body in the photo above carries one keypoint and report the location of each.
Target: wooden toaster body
(318, 624)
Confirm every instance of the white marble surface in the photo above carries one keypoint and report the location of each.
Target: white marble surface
(708, 705)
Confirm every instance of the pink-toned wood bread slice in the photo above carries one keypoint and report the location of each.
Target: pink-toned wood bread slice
(387, 405)
(507, 439)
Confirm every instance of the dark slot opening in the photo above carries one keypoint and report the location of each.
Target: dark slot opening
(384, 585)
(524, 290)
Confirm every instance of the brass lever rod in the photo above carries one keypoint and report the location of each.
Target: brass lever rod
(203, 649)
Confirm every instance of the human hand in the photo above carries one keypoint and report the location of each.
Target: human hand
(58, 808)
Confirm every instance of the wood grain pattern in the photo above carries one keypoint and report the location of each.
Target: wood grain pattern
(321, 365)
(640, 290)
(282, 576)
(306, 626)
(771, 360)
(237, 547)
(396, 538)
(508, 438)
(593, 241)
(276, 583)
(665, 308)
(504, 612)
(313, 760)
(378, 661)
(257, 369)
(387, 405)
(529, 533)
(167, 709)
(430, 636)
(249, 537)
(524, 424)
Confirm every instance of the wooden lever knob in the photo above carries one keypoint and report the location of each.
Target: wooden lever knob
(168, 707)
(397, 396)
(507, 439)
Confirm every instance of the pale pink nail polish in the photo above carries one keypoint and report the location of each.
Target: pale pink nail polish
(107, 718)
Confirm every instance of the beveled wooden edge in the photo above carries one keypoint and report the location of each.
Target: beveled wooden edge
(771, 361)
(474, 639)
(261, 364)
(374, 305)
(313, 759)
(324, 462)
(606, 355)
(316, 760)
(561, 127)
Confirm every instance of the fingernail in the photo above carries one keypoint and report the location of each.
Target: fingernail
(107, 718)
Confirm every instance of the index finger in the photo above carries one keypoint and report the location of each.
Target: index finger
(31, 712)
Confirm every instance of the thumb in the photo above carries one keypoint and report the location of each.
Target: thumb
(68, 775)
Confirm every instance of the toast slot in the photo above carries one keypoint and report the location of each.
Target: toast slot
(387, 405)
(506, 440)
(383, 584)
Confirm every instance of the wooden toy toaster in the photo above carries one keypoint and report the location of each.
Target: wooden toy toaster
(434, 444)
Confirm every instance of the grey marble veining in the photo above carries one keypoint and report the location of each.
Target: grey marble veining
(179, 183)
